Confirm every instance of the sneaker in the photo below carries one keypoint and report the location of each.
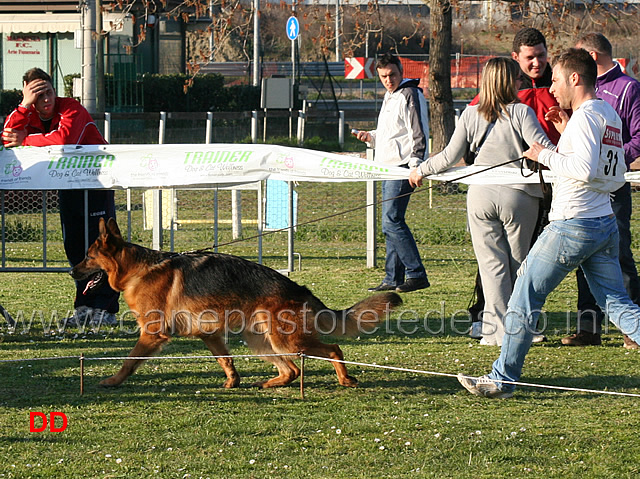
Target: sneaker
(629, 343)
(382, 287)
(483, 387)
(582, 338)
(84, 316)
(485, 342)
(475, 332)
(539, 338)
(413, 284)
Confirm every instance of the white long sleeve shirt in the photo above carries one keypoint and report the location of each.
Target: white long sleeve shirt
(402, 133)
(589, 163)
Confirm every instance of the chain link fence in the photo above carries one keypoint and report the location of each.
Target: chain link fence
(202, 218)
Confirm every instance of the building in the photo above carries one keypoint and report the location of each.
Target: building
(49, 34)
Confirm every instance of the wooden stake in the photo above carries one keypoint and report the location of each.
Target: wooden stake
(302, 376)
(81, 374)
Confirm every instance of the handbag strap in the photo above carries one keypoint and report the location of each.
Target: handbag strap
(486, 132)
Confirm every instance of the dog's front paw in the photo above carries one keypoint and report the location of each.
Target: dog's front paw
(349, 381)
(111, 382)
(232, 382)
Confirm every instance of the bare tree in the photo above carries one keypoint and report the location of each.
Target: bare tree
(440, 97)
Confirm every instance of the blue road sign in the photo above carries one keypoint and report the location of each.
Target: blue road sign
(293, 28)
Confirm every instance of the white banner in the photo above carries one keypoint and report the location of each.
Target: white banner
(198, 165)
(485, 175)
(178, 165)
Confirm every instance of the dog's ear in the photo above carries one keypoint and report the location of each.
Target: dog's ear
(113, 228)
(102, 229)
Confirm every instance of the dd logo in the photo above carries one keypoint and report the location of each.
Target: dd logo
(43, 420)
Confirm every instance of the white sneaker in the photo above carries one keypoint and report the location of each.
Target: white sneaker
(485, 342)
(475, 332)
(539, 338)
(483, 387)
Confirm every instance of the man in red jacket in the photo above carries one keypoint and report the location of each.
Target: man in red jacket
(44, 119)
(530, 51)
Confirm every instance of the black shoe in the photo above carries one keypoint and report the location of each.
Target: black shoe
(412, 284)
(582, 338)
(382, 287)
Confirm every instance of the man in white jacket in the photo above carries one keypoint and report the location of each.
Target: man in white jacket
(401, 139)
(589, 165)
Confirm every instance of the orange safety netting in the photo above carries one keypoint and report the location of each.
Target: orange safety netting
(465, 71)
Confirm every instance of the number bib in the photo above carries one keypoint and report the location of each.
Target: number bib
(612, 167)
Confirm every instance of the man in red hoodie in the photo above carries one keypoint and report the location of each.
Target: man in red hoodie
(44, 119)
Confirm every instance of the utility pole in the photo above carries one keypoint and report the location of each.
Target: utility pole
(338, 22)
(88, 55)
(100, 90)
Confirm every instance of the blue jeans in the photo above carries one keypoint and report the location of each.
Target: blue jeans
(403, 257)
(563, 246)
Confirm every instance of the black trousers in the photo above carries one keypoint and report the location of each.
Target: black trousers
(590, 316)
(72, 216)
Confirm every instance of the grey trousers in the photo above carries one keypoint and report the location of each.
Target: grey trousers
(501, 221)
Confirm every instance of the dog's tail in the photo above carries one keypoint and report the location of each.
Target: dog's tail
(361, 318)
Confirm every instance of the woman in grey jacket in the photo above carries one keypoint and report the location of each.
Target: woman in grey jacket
(502, 218)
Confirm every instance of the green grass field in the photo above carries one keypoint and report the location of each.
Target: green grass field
(172, 419)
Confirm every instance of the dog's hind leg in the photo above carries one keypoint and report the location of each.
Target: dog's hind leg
(147, 345)
(287, 372)
(331, 351)
(218, 348)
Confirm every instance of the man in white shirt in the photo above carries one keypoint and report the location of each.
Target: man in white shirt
(589, 165)
(400, 139)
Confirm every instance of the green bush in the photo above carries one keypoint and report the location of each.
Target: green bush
(68, 83)
(9, 99)
(207, 93)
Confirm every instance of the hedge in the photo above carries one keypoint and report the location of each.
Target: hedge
(167, 93)
(207, 93)
(9, 100)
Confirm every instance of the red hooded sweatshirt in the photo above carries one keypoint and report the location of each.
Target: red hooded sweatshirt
(71, 124)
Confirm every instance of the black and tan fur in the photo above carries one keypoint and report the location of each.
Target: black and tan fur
(206, 295)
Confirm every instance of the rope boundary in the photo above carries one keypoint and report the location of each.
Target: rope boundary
(303, 356)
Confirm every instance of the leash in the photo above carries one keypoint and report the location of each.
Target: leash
(351, 210)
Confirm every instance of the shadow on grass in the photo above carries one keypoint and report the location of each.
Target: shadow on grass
(27, 439)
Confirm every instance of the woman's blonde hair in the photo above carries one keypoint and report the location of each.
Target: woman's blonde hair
(498, 87)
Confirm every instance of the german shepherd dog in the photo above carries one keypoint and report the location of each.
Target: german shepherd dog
(206, 295)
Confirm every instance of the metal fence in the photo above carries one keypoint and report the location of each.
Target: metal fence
(188, 219)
